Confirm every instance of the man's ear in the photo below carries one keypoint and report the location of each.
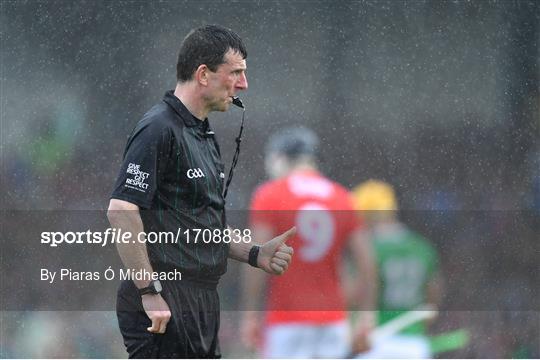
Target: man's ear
(201, 74)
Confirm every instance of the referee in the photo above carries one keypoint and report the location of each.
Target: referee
(172, 178)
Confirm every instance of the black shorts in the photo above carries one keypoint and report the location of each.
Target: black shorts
(192, 331)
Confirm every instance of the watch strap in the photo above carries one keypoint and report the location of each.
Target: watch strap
(150, 289)
(254, 255)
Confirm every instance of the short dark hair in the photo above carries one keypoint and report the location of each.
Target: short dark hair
(293, 142)
(206, 45)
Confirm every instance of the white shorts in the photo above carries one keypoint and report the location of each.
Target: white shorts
(399, 347)
(298, 340)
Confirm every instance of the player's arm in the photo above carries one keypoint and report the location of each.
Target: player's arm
(273, 256)
(435, 285)
(364, 291)
(125, 215)
(253, 289)
(434, 291)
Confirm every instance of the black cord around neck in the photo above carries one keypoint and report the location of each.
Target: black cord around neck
(236, 155)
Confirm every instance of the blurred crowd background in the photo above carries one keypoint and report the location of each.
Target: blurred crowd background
(439, 98)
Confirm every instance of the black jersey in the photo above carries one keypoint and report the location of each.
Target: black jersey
(172, 170)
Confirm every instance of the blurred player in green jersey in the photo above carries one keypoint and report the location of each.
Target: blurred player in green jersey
(408, 272)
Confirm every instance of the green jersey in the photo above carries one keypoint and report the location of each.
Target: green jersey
(406, 263)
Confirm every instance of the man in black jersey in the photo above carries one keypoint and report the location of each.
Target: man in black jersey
(171, 180)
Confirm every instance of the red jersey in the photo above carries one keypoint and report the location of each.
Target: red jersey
(322, 212)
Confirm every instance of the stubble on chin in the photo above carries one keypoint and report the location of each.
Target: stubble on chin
(224, 107)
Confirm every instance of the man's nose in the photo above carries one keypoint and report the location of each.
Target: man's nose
(242, 83)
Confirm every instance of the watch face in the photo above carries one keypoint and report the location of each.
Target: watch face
(157, 286)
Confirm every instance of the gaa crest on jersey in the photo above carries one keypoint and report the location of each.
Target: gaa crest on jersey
(194, 173)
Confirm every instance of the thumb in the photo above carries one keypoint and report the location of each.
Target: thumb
(287, 235)
(154, 328)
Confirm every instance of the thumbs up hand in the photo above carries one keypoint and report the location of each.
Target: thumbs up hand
(275, 256)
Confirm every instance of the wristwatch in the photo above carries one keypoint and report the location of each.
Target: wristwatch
(153, 288)
(253, 255)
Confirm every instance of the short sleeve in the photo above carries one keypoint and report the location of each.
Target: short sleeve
(146, 153)
(261, 204)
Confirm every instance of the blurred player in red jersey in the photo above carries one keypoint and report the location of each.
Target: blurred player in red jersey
(306, 310)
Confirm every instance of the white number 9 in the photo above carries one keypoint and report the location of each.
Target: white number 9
(316, 228)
